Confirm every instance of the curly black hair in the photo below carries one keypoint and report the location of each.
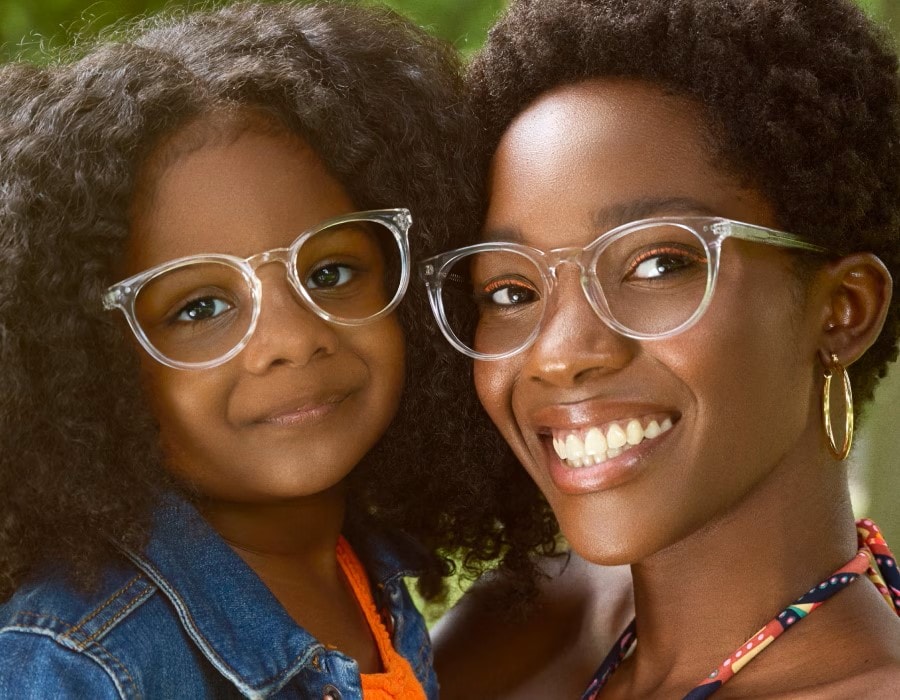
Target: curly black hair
(383, 105)
(801, 97)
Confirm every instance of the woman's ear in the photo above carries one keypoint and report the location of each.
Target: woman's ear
(856, 291)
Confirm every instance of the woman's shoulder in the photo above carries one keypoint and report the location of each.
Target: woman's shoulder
(552, 651)
(881, 681)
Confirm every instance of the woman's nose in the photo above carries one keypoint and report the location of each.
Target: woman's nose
(574, 343)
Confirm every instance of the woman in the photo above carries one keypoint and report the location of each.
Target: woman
(692, 227)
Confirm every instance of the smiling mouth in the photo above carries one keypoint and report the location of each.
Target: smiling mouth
(306, 413)
(593, 445)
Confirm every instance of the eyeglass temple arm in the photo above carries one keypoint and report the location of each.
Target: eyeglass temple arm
(760, 234)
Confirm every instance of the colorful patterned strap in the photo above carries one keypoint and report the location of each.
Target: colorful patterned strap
(873, 559)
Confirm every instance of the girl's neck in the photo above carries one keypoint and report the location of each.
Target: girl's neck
(700, 599)
(291, 545)
(303, 529)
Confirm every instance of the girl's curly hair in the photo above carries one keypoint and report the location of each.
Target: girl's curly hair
(383, 105)
(800, 97)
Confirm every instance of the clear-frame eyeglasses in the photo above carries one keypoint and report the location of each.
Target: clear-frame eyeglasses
(200, 311)
(646, 279)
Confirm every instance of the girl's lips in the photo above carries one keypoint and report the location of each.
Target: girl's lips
(302, 412)
(299, 416)
(610, 473)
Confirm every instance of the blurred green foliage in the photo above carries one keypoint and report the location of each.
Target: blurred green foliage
(27, 25)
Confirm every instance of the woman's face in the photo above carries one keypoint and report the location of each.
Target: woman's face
(301, 404)
(738, 387)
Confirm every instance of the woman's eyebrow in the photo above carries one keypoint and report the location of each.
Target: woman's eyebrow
(616, 214)
(648, 207)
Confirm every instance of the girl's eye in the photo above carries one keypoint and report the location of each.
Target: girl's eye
(509, 293)
(202, 309)
(329, 276)
(658, 264)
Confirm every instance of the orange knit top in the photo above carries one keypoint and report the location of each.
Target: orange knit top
(397, 681)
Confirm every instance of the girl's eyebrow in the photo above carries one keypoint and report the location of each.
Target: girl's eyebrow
(616, 214)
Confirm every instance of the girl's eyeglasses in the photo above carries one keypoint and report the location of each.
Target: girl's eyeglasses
(646, 279)
(200, 311)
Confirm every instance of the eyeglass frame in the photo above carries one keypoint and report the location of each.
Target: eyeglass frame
(712, 231)
(122, 295)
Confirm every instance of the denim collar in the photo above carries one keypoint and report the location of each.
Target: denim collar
(226, 609)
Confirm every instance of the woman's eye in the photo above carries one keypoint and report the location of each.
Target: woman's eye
(329, 276)
(659, 265)
(511, 295)
(202, 309)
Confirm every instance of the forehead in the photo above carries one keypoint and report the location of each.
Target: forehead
(586, 157)
(237, 191)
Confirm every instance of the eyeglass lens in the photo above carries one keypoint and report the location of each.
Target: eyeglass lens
(202, 310)
(650, 280)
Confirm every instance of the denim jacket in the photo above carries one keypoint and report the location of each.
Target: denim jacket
(187, 618)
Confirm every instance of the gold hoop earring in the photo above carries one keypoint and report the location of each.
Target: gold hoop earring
(837, 368)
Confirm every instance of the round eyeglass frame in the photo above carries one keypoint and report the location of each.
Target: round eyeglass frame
(122, 295)
(710, 231)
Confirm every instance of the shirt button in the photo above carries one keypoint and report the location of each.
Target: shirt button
(331, 693)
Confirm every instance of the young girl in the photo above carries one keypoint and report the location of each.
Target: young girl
(205, 236)
(693, 222)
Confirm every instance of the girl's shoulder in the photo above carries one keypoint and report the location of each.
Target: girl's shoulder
(56, 638)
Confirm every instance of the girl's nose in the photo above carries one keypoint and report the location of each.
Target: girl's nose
(287, 331)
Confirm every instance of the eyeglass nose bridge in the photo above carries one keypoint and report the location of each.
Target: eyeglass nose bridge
(282, 255)
(579, 257)
(569, 256)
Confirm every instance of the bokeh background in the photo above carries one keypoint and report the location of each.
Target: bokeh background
(29, 26)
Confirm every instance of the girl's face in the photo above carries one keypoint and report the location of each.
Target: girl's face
(301, 404)
(738, 387)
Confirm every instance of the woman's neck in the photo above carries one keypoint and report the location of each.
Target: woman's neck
(700, 599)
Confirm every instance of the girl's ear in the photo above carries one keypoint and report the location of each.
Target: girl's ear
(856, 291)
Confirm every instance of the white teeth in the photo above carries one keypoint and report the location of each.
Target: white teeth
(574, 448)
(560, 447)
(581, 449)
(595, 443)
(615, 437)
(634, 433)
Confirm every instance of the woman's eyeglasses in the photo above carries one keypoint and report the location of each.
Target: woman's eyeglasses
(200, 311)
(646, 279)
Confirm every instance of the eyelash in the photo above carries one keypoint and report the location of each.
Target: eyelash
(496, 284)
(656, 252)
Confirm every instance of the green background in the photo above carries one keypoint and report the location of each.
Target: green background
(27, 25)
